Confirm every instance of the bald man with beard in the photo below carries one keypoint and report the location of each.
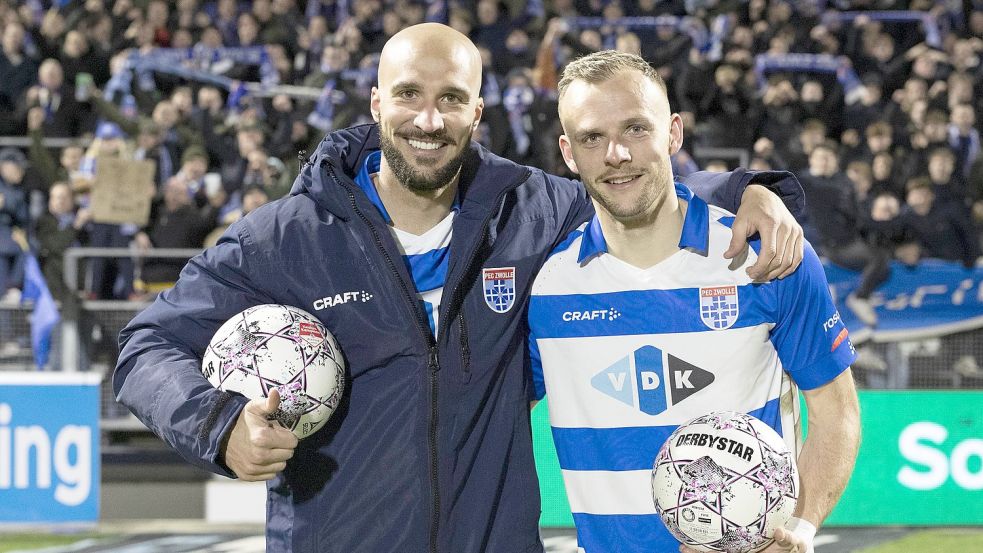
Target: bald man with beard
(416, 248)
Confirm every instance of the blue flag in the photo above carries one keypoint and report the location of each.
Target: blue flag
(45, 315)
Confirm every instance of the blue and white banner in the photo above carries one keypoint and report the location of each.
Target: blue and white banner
(693, 26)
(933, 298)
(840, 66)
(49, 447)
(927, 21)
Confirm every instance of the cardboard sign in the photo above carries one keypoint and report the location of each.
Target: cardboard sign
(123, 190)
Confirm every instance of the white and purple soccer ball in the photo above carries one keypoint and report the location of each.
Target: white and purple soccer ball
(725, 482)
(279, 346)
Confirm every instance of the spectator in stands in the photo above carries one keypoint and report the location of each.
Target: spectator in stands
(878, 138)
(252, 197)
(766, 156)
(835, 220)
(883, 226)
(14, 218)
(207, 120)
(64, 115)
(862, 178)
(248, 138)
(226, 20)
(150, 146)
(257, 169)
(17, 73)
(275, 29)
(527, 112)
(946, 184)
(797, 151)
(158, 19)
(964, 138)
(50, 171)
(336, 108)
(311, 41)
(106, 278)
(77, 57)
(942, 229)
(492, 26)
(194, 166)
(960, 91)
(869, 105)
(174, 223)
(727, 107)
(932, 135)
(61, 227)
(974, 193)
(817, 104)
(882, 170)
(48, 36)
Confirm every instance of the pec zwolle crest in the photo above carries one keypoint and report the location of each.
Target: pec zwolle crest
(718, 306)
(499, 287)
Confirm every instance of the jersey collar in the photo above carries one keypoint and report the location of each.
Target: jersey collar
(695, 234)
(364, 181)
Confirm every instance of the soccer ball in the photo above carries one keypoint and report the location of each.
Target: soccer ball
(724, 482)
(279, 346)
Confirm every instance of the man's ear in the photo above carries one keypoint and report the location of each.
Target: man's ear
(479, 108)
(675, 133)
(567, 150)
(374, 104)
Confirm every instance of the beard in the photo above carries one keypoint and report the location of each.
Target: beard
(419, 181)
(651, 191)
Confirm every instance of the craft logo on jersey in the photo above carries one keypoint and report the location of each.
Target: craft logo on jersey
(718, 306)
(499, 286)
(651, 380)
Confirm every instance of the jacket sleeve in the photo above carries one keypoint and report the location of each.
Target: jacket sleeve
(725, 189)
(571, 204)
(158, 375)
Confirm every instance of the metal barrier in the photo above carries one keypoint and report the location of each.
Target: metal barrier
(48, 142)
(72, 310)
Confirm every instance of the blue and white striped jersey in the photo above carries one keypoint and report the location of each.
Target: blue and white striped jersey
(425, 255)
(627, 354)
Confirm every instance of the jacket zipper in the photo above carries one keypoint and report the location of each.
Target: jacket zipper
(465, 347)
(433, 364)
(465, 356)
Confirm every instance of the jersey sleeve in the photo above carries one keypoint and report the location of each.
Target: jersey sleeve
(811, 340)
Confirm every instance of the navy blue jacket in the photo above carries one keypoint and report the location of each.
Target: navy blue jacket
(430, 449)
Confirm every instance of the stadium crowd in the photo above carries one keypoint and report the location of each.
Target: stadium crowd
(877, 113)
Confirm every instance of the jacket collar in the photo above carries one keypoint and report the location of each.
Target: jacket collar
(695, 234)
(343, 153)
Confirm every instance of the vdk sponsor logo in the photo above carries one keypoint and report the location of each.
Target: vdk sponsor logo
(651, 380)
